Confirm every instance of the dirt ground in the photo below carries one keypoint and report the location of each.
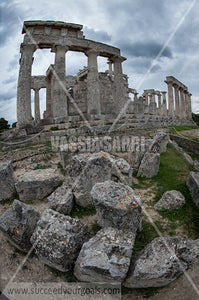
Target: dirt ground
(33, 270)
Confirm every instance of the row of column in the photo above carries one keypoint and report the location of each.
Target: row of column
(181, 98)
(59, 105)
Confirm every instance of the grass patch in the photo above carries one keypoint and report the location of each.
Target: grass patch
(9, 202)
(173, 172)
(95, 227)
(54, 128)
(80, 211)
(145, 236)
(181, 128)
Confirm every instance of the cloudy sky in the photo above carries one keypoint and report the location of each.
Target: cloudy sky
(159, 38)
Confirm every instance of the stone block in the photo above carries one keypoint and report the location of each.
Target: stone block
(193, 185)
(7, 181)
(61, 199)
(37, 184)
(18, 224)
(117, 206)
(170, 200)
(58, 239)
(161, 262)
(105, 257)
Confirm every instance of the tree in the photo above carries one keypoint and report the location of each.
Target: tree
(3, 124)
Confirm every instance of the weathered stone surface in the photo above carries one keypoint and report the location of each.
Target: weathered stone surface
(37, 184)
(149, 166)
(61, 199)
(125, 169)
(193, 185)
(117, 205)
(105, 257)
(18, 224)
(170, 200)
(161, 262)
(85, 170)
(7, 181)
(57, 239)
(159, 142)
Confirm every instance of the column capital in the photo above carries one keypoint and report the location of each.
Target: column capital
(118, 59)
(90, 51)
(60, 48)
(28, 48)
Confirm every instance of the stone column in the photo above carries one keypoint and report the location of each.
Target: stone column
(186, 104)
(159, 100)
(177, 104)
(119, 85)
(37, 104)
(59, 101)
(49, 85)
(93, 87)
(110, 67)
(190, 108)
(182, 104)
(164, 104)
(135, 96)
(24, 115)
(170, 99)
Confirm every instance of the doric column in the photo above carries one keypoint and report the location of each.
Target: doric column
(119, 84)
(182, 104)
(24, 115)
(93, 87)
(49, 85)
(189, 106)
(110, 63)
(170, 99)
(146, 99)
(177, 104)
(159, 99)
(164, 103)
(135, 96)
(60, 102)
(150, 98)
(153, 97)
(37, 104)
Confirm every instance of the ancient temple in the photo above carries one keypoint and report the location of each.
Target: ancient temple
(90, 94)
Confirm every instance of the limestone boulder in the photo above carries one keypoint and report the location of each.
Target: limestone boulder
(170, 200)
(193, 185)
(117, 206)
(37, 184)
(7, 181)
(84, 170)
(105, 257)
(18, 224)
(61, 199)
(58, 239)
(149, 165)
(159, 142)
(161, 262)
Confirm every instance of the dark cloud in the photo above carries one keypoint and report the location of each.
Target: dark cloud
(9, 15)
(141, 65)
(101, 36)
(149, 49)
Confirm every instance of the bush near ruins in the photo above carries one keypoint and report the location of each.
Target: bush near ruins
(195, 117)
(4, 124)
